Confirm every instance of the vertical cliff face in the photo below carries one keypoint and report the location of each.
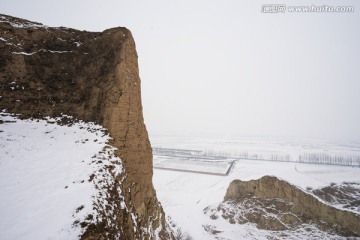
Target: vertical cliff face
(94, 77)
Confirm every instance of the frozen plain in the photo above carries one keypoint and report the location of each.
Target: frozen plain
(184, 195)
(26, 210)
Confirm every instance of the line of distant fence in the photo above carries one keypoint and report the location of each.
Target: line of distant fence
(313, 158)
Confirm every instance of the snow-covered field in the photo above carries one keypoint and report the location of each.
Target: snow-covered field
(184, 195)
(48, 177)
(47, 182)
(207, 167)
(262, 147)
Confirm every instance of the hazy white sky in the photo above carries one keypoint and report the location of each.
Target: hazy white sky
(224, 68)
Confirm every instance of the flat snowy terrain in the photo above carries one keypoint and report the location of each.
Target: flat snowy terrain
(210, 167)
(184, 195)
(261, 147)
(48, 176)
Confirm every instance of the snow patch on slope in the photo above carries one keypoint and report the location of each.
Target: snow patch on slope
(18, 23)
(49, 178)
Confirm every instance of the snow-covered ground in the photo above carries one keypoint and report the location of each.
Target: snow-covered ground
(184, 195)
(209, 167)
(46, 171)
(262, 147)
(48, 176)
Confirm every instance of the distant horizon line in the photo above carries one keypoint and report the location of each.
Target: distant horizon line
(255, 136)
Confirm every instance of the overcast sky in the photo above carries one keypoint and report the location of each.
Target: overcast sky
(224, 68)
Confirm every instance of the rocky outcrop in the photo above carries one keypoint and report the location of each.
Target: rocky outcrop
(275, 204)
(92, 76)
